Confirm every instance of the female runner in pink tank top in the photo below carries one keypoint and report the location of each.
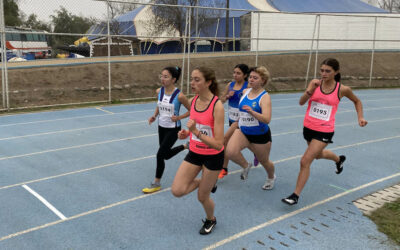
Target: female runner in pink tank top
(323, 97)
(206, 148)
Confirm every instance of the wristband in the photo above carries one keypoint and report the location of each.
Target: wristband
(308, 93)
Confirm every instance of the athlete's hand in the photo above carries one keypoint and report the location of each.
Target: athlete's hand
(362, 122)
(152, 119)
(315, 83)
(191, 124)
(175, 118)
(183, 134)
(247, 108)
(230, 94)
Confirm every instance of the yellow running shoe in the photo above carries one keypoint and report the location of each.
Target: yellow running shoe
(154, 187)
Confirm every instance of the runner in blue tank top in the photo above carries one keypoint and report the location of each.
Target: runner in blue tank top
(233, 91)
(254, 133)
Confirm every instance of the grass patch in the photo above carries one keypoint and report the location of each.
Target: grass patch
(387, 218)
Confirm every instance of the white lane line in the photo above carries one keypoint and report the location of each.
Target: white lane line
(144, 121)
(106, 111)
(335, 148)
(337, 187)
(288, 215)
(78, 171)
(45, 202)
(130, 112)
(72, 130)
(74, 147)
(214, 245)
(149, 135)
(73, 117)
(148, 195)
(82, 214)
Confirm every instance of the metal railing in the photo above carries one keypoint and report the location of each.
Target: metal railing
(101, 79)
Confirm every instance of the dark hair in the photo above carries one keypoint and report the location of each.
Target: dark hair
(209, 75)
(174, 71)
(245, 70)
(263, 72)
(332, 62)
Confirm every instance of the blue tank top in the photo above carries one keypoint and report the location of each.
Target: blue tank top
(233, 102)
(248, 124)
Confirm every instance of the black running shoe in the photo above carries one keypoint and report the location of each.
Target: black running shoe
(214, 189)
(208, 226)
(291, 200)
(339, 165)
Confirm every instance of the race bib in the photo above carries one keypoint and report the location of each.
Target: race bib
(204, 129)
(320, 111)
(166, 109)
(233, 113)
(248, 120)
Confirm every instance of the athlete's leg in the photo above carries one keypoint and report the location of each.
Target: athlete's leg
(207, 182)
(235, 145)
(184, 181)
(314, 149)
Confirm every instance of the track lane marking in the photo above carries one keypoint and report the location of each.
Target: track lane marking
(45, 202)
(288, 215)
(72, 130)
(74, 147)
(230, 238)
(106, 111)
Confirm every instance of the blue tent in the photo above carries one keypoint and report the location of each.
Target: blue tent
(214, 30)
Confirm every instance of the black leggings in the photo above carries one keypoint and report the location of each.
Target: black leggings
(167, 138)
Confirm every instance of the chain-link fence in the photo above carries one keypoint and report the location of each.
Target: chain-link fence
(98, 51)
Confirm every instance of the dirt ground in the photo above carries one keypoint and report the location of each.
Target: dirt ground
(138, 77)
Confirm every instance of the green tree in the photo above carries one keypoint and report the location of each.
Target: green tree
(33, 23)
(65, 22)
(11, 13)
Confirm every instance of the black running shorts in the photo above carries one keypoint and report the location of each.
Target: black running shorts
(211, 162)
(260, 139)
(310, 134)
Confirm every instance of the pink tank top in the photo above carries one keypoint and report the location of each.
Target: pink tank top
(321, 110)
(205, 124)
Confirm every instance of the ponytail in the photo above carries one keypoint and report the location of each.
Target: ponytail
(337, 77)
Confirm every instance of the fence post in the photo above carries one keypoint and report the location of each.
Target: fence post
(258, 36)
(109, 50)
(317, 49)
(188, 54)
(373, 53)
(311, 49)
(4, 72)
(184, 51)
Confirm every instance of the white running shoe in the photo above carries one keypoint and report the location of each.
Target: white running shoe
(245, 171)
(269, 183)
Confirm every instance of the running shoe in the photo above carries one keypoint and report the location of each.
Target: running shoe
(214, 189)
(223, 173)
(245, 172)
(269, 183)
(255, 161)
(154, 187)
(339, 165)
(291, 199)
(208, 226)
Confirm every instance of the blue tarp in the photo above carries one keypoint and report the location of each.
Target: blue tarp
(324, 6)
(126, 25)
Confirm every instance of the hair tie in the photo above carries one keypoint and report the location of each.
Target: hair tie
(176, 67)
